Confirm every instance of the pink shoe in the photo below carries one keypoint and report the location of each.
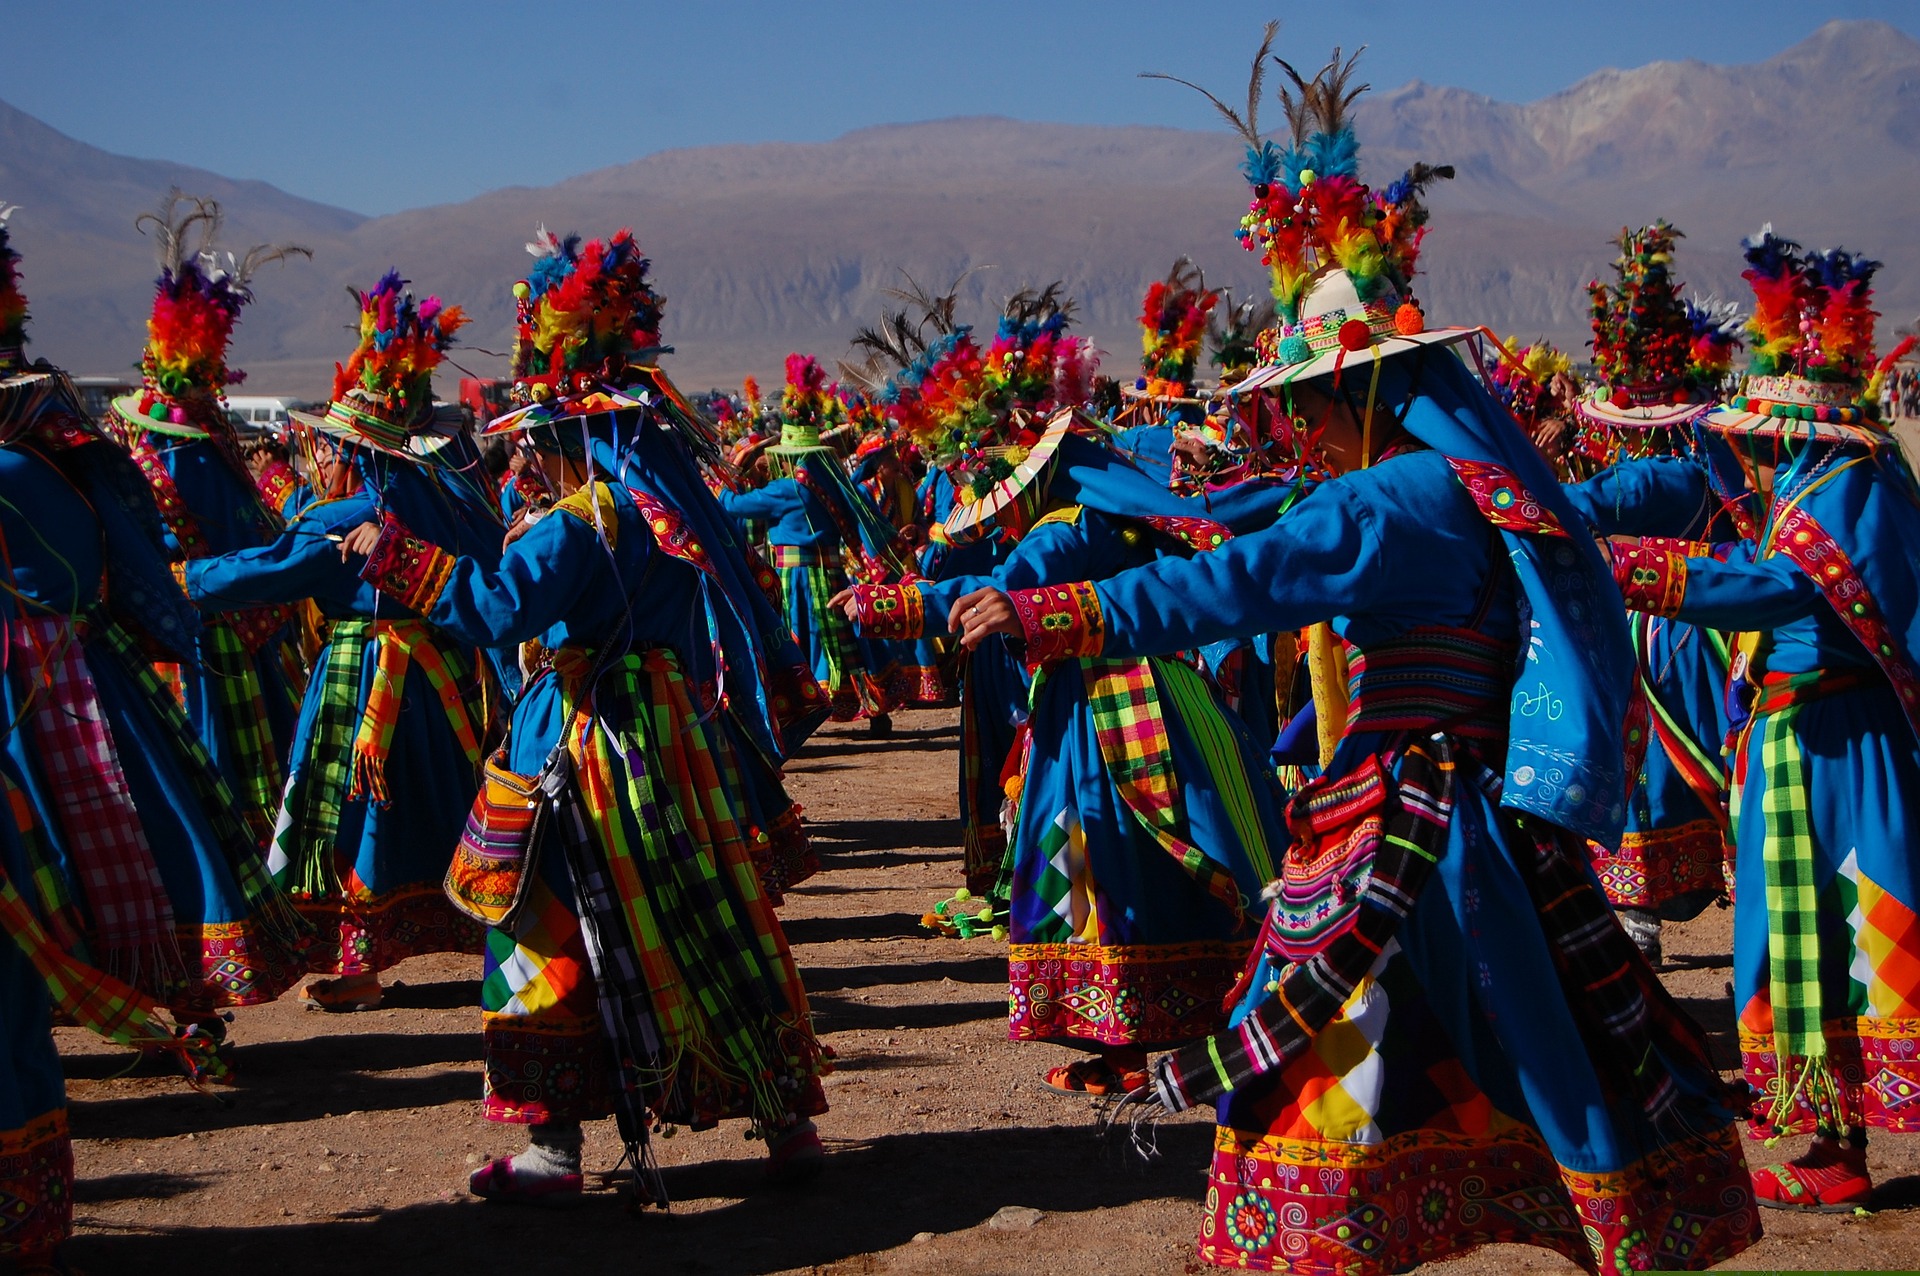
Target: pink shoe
(797, 1156)
(496, 1181)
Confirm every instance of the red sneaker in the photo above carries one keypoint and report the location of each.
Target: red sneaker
(1827, 1180)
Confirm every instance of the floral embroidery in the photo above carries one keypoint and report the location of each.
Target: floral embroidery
(1060, 622)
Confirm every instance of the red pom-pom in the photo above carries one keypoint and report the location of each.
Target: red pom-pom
(1621, 399)
(1355, 335)
(1408, 321)
(1681, 397)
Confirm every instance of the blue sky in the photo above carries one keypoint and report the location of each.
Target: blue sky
(380, 106)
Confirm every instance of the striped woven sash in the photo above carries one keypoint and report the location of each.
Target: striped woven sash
(1432, 677)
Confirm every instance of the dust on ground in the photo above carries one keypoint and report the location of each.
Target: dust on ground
(346, 1143)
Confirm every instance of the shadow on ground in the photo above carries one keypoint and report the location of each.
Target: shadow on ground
(873, 1196)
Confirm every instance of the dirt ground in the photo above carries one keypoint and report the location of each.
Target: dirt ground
(346, 1143)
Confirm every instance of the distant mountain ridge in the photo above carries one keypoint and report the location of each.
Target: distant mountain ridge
(773, 247)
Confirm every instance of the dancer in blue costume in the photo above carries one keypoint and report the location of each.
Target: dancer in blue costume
(387, 752)
(646, 974)
(1661, 361)
(1826, 598)
(144, 837)
(243, 691)
(1445, 1021)
(822, 526)
(1143, 808)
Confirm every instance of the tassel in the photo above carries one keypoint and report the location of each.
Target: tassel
(1327, 670)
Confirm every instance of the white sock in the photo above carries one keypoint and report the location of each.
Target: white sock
(553, 1151)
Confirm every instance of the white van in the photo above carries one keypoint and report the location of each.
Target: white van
(263, 413)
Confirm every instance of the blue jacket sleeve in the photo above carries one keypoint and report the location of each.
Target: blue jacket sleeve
(1055, 551)
(540, 577)
(1651, 496)
(767, 503)
(302, 562)
(1740, 595)
(1320, 560)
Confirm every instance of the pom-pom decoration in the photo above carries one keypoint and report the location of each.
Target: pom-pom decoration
(809, 402)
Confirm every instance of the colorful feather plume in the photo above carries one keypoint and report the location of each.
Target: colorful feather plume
(1813, 312)
(1173, 323)
(1235, 334)
(1310, 209)
(1716, 329)
(977, 412)
(13, 302)
(809, 402)
(401, 343)
(197, 300)
(585, 312)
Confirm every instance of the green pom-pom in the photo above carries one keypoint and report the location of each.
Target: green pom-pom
(1000, 932)
(963, 894)
(1295, 350)
(985, 914)
(158, 411)
(522, 291)
(941, 908)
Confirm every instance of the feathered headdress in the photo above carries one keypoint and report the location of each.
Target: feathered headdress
(902, 335)
(13, 302)
(383, 393)
(1340, 255)
(1716, 329)
(197, 300)
(1173, 323)
(585, 313)
(1234, 339)
(1524, 385)
(1643, 334)
(1810, 339)
(809, 407)
(979, 413)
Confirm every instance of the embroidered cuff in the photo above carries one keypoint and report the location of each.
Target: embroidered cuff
(890, 611)
(1060, 622)
(278, 484)
(1651, 579)
(1677, 545)
(405, 567)
(257, 626)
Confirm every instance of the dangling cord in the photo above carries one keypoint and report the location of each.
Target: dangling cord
(1366, 423)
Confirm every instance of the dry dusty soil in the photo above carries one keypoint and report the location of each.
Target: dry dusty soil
(346, 1143)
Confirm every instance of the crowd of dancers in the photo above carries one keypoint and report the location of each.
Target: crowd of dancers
(1340, 723)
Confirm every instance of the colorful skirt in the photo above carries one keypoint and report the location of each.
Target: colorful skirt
(385, 767)
(1676, 855)
(1141, 844)
(1859, 781)
(648, 921)
(146, 841)
(1462, 1095)
(856, 673)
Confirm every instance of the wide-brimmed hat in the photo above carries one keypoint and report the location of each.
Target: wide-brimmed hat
(1012, 501)
(383, 394)
(1337, 330)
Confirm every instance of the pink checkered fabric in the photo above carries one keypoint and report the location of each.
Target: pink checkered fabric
(117, 875)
